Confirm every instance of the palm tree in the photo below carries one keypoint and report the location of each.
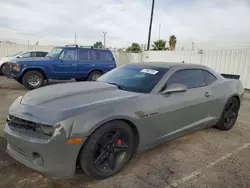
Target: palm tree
(159, 45)
(172, 42)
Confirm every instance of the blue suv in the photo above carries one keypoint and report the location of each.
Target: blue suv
(67, 62)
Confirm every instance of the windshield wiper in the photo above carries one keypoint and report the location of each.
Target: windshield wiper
(119, 86)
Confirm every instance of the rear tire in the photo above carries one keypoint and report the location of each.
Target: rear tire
(93, 76)
(229, 115)
(107, 150)
(33, 79)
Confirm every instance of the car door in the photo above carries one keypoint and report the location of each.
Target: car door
(85, 62)
(66, 65)
(183, 111)
(216, 97)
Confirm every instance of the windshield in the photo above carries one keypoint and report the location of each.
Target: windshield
(14, 54)
(55, 52)
(135, 78)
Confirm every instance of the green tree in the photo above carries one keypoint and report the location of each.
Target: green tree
(159, 45)
(172, 42)
(98, 45)
(135, 48)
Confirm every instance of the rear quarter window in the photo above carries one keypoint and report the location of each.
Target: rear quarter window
(209, 77)
(103, 55)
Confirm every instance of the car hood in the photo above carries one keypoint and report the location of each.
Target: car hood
(30, 59)
(74, 95)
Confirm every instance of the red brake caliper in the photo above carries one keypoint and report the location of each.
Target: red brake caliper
(119, 142)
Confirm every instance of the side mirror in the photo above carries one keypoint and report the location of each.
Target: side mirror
(175, 88)
(19, 57)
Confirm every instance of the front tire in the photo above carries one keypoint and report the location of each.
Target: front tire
(229, 115)
(3, 68)
(107, 150)
(93, 76)
(33, 79)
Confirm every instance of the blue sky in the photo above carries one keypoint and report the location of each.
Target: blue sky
(126, 21)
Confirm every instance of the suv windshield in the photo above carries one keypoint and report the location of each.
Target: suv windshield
(55, 52)
(135, 78)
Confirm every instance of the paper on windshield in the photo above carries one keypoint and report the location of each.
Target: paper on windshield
(150, 71)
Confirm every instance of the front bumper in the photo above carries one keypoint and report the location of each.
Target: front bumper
(58, 157)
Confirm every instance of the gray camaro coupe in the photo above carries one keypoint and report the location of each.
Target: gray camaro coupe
(100, 125)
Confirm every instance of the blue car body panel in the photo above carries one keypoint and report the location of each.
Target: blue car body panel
(56, 68)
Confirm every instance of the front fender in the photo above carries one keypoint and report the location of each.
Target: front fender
(85, 125)
(28, 68)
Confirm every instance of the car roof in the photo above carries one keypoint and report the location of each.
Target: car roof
(171, 64)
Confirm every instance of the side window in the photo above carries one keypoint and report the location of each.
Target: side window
(33, 54)
(209, 78)
(25, 55)
(85, 54)
(103, 55)
(191, 78)
(41, 54)
(68, 54)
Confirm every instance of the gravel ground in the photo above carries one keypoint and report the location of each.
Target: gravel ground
(206, 158)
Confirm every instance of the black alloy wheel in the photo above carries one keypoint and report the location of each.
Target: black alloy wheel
(107, 150)
(229, 115)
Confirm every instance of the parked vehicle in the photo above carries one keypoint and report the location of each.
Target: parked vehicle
(20, 55)
(63, 63)
(101, 125)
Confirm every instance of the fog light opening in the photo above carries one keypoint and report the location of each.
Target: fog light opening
(37, 159)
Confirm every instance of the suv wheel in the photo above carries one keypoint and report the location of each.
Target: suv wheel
(33, 79)
(93, 76)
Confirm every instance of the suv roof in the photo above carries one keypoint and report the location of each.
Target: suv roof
(85, 47)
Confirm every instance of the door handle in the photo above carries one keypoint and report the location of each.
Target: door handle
(74, 65)
(207, 94)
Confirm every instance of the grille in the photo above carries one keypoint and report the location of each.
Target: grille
(16, 123)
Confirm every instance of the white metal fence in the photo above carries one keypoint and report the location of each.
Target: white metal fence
(8, 48)
(223, 61)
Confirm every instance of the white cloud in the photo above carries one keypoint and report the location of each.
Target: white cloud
(126, 21)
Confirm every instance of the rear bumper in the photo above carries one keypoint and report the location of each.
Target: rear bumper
(53, 156)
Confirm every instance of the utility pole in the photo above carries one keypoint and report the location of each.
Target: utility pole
(104, 39)
(150, 25)
(193, 46)
(75, 39)
(159, 31)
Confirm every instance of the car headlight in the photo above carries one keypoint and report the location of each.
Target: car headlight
(48, 130)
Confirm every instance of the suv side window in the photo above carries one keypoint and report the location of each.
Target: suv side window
(209, 78)
(85, 54)
(33, 54)
(192, 78)
(41, 54)
(103, 56)
(68, 54)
